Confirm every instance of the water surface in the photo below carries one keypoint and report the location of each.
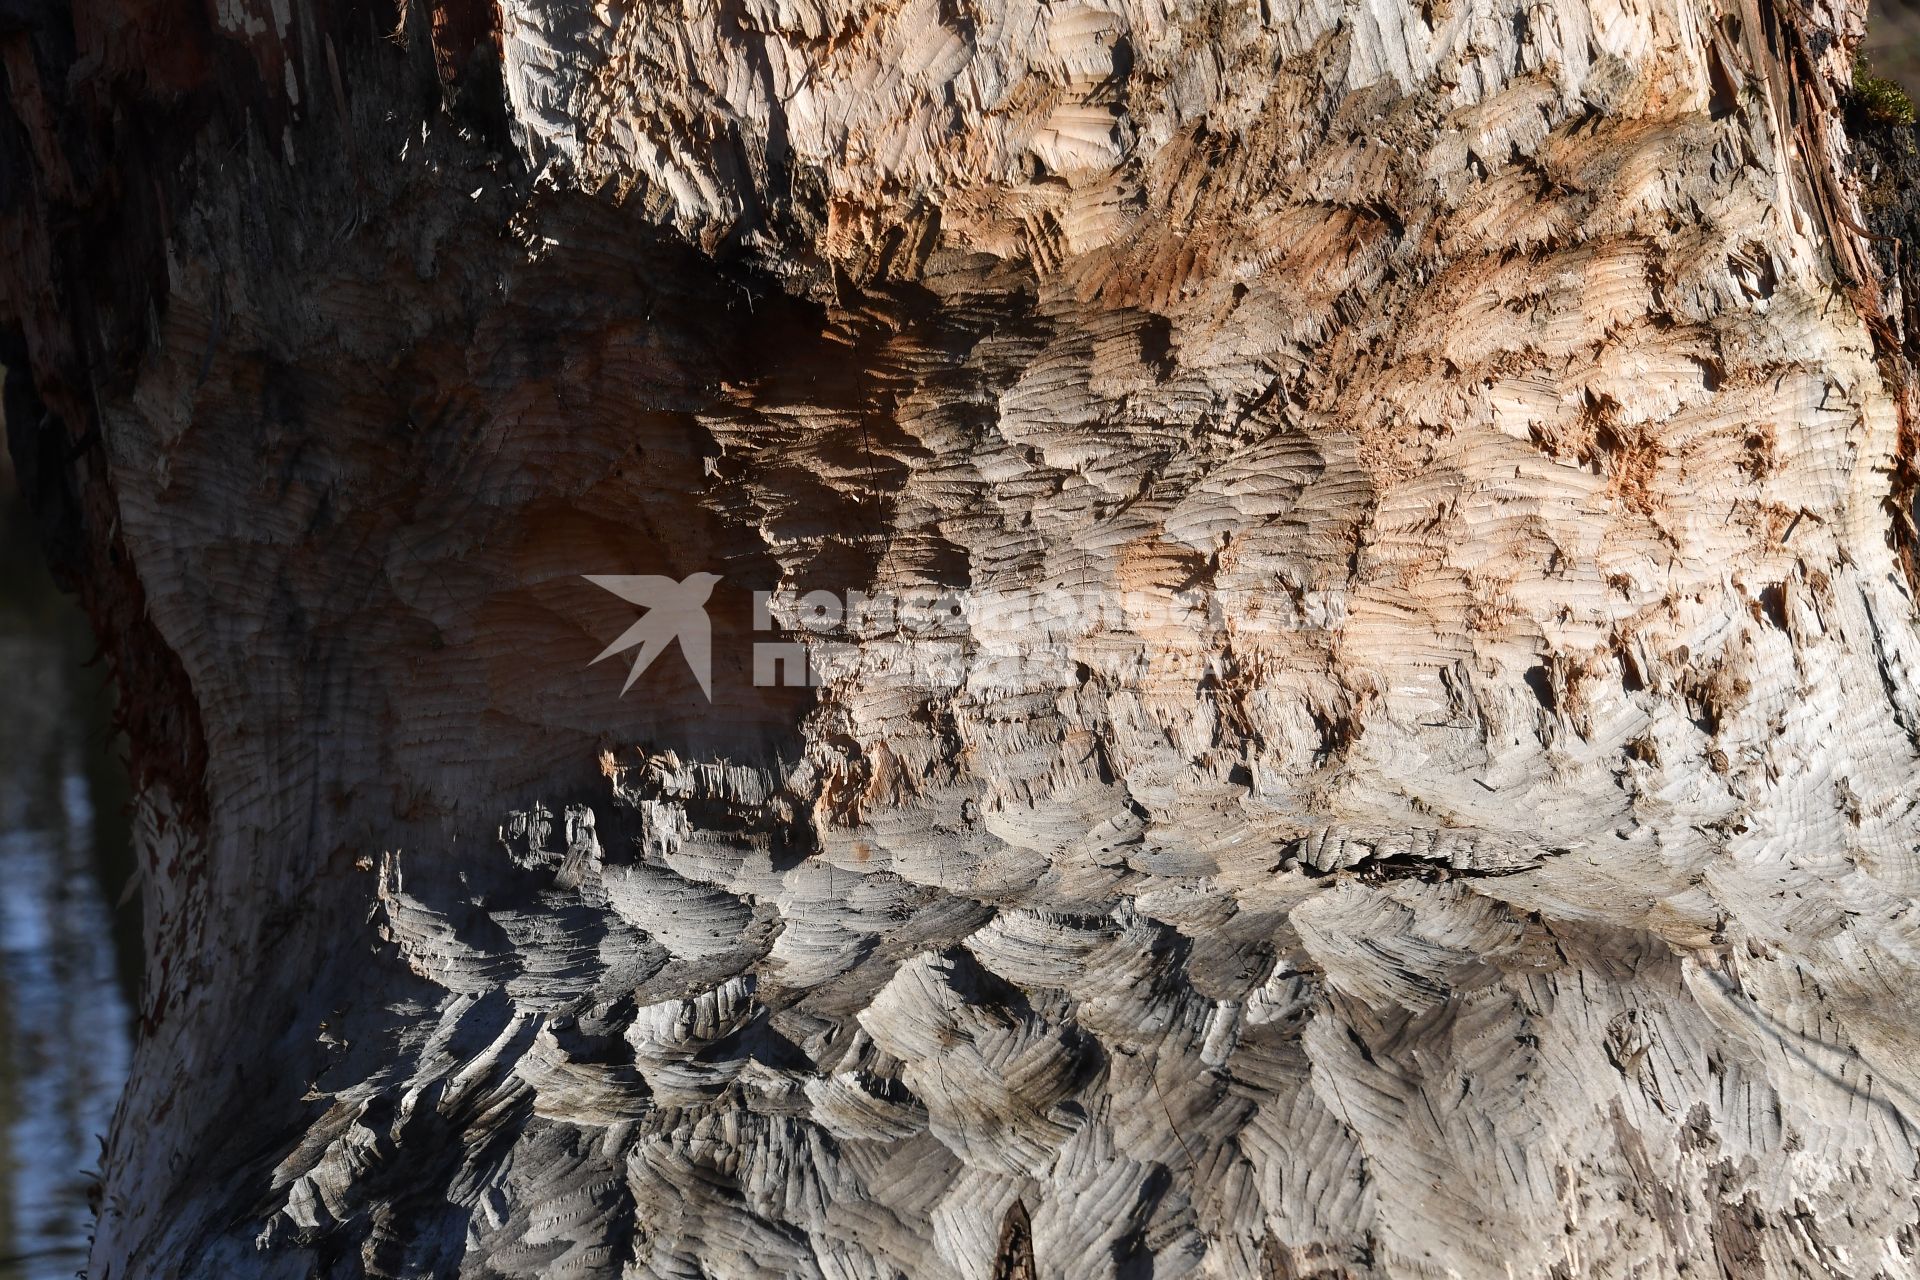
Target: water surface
(65, 1022)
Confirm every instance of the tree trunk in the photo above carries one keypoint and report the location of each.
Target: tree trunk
(1365, 696)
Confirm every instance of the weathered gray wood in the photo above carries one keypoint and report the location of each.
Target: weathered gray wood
(1506, 869)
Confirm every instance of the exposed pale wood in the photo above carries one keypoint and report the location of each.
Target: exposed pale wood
(1507, 870)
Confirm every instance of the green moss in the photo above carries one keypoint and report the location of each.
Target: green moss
(1880, 100)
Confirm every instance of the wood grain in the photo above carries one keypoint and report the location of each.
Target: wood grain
(1422, 785)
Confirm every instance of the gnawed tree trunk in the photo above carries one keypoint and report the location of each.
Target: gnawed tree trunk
(1503, 866)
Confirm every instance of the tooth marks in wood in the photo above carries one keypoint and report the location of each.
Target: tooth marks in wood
(1513, 841)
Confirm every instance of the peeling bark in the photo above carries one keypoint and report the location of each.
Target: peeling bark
(1470, 832)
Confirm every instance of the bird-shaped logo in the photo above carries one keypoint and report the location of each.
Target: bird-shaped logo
(674, 611)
